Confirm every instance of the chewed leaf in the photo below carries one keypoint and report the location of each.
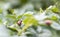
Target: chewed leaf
(55, 26)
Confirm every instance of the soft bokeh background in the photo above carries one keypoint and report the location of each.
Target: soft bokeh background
(21, 6)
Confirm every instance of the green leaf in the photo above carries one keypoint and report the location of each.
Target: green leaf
(28, 21)
(0, 20)
(12, 28)
(55, 9)
(27, 15)
(10, 11)
(19, 17)
(54, 18)
(11, 16)
(1, 11)
(41, 10)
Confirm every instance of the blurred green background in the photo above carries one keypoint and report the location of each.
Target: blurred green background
(10, 11)
(36, 3)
